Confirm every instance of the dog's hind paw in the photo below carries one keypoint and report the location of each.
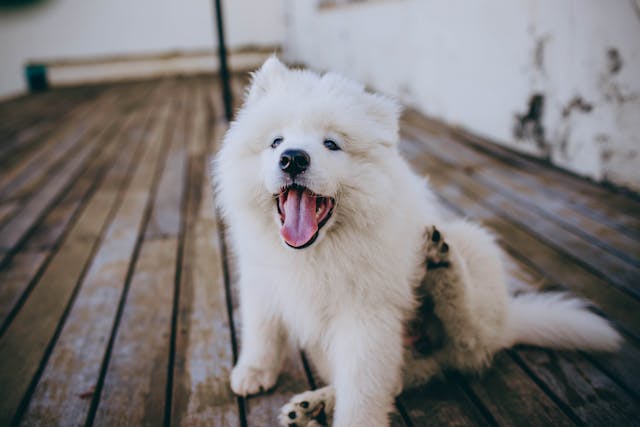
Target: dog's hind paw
(309, 409)
(437, 249)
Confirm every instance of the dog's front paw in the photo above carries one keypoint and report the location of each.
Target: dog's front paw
(246, 380)
(437, 249)
(309, 409)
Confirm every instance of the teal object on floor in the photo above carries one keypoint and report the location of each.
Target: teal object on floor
(36, 75)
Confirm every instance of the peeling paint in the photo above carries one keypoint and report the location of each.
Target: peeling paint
(577, 103)
(529, 126)
(612, 89)
(614, 60)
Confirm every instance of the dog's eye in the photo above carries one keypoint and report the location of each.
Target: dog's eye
(276, 142)
(331, 145)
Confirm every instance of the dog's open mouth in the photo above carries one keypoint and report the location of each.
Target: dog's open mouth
(302, 214)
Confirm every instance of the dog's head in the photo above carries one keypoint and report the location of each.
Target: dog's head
(306, 152)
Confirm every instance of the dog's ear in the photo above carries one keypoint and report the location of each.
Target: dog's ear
(270, 73)
(385, 112)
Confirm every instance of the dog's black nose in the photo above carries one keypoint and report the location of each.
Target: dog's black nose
(294, 162)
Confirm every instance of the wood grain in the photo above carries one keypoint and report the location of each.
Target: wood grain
(441, 402)
(620, 272)
(118, 302)
(614, 209)
(22, 178)
(63, 386)
(48, 232)
(203, 352)
(140, 357)
(585, 390)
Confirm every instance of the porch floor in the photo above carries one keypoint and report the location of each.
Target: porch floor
(117, 302)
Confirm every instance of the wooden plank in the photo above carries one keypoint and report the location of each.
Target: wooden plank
(14, 278)
(617, 210)
(31, 123)
(21, 179)
(441, 402)
(14, 231)
(622, 366)
(135, 385)
(203, 353)
(624, 245)
(558, 267)
(52, 228)
(589, 393)
(7, 210)
(31, 107)
(619, 272)
(47, 233)
(166, 217)
(25, 119)
(577, 194)
(66, 386)
(140, 355)
(523, 192)
(512, 397)
(24, 141)
(32, 171)
(27, 339)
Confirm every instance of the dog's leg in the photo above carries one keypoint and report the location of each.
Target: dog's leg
(442, 286)
(366, 355)
(309, 409)
(449, 283)
(263, 341)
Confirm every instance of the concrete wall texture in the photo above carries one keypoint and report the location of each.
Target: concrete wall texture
(559, 80)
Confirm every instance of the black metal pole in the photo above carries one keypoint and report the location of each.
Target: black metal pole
(222, 59)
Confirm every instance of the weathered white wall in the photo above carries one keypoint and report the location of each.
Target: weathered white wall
(54, 29)
(477, 64)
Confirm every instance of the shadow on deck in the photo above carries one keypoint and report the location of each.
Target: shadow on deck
(117, 303)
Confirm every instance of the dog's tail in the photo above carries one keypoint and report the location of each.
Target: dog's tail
(555, 320)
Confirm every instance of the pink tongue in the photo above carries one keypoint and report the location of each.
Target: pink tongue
(300, 223)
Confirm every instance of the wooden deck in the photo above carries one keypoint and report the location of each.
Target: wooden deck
(117, 303)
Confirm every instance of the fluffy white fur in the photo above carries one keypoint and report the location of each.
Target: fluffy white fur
(346, 298)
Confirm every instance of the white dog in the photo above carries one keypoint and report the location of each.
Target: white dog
(333, 232)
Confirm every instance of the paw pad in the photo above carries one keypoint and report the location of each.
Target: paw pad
(437, 249)
(308, 409)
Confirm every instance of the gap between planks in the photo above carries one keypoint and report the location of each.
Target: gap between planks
(25, 265)
(35, 328)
